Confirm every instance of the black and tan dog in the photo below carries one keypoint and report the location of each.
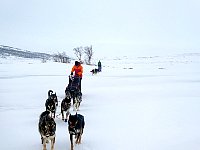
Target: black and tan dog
(51, 103)
(73, 90)
(47, 129)
(94, 71)
(53, 96)
(65, 107)
(76, 125)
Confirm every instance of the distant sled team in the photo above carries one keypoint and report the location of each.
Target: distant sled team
(47, 124)
(95, 71)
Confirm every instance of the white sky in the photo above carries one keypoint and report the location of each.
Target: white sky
(127, 26)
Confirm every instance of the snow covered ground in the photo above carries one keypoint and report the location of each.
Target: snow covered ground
(146, 103)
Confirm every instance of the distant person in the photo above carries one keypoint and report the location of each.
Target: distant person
(78, 70)
(99, 66)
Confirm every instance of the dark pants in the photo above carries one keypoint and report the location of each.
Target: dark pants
(99, 68)
(80, 84)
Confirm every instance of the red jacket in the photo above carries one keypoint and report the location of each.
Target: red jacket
(78, 70)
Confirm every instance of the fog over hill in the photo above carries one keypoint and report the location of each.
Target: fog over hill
(10, 54)
(11, 51)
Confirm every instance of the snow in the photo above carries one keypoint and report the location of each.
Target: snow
(144, 103)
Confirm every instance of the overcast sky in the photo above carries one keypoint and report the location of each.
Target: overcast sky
(137, 27)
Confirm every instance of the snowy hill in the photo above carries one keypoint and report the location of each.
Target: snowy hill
(14, 55)
(143, 103)
(11, 51)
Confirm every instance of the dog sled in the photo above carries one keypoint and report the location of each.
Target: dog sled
(73, 89)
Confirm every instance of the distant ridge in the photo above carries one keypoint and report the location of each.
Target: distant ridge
(11, 51)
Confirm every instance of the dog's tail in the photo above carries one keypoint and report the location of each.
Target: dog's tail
(49, 93)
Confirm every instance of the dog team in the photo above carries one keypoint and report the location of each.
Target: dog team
(97, 70)
(76, 123)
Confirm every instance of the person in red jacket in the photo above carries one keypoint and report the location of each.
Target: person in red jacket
(77, 69)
